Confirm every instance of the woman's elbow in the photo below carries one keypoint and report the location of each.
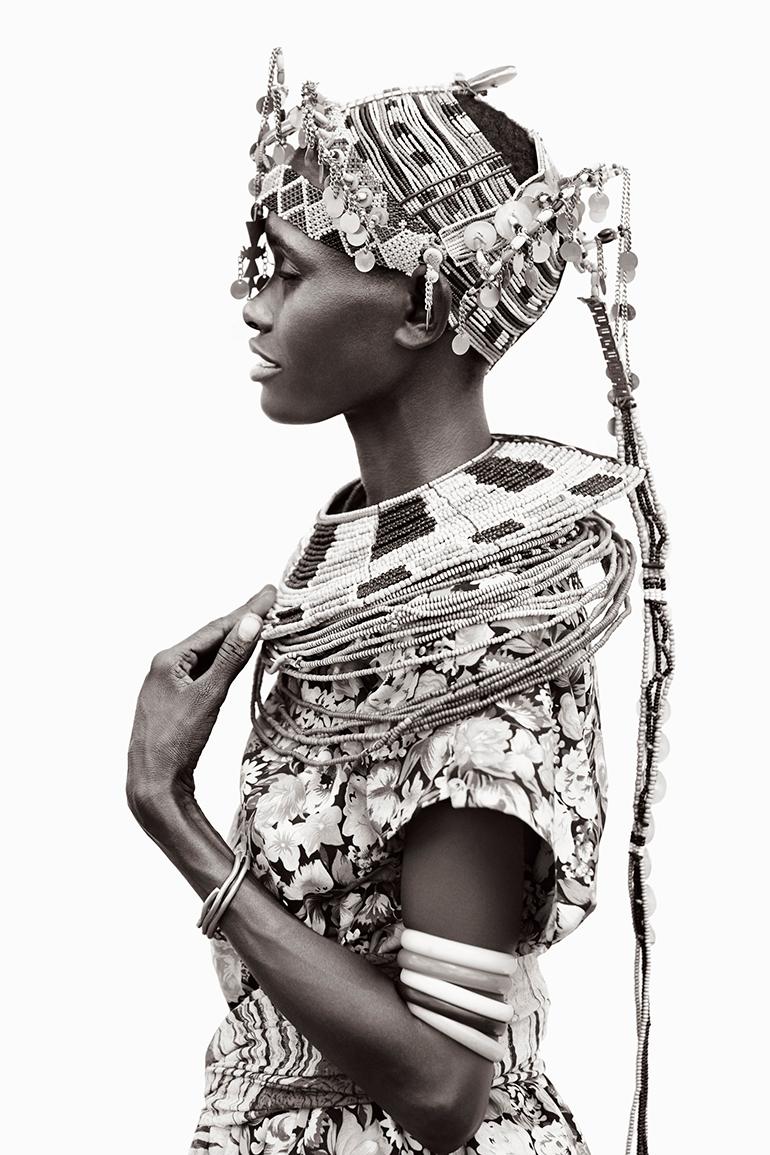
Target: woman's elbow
(456, 1115)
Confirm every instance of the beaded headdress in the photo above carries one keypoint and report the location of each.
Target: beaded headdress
(410, 182)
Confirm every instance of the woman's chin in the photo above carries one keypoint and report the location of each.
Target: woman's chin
(285, 410)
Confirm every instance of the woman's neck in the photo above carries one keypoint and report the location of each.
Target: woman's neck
(416, 436)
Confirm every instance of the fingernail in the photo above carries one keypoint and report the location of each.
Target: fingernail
(249, 626)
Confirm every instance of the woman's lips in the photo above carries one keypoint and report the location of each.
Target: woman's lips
(265, 366)
(263, 357)
(263, 369)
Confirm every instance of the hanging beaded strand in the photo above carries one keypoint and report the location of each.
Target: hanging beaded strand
(267, 105)
(658, 651)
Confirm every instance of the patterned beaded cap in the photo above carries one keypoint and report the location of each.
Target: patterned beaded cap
(409, 180)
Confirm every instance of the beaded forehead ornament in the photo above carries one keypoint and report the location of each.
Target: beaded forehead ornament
(409, 181)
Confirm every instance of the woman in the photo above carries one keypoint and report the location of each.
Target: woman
(423, 790)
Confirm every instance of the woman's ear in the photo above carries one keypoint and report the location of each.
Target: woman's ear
(412, 333)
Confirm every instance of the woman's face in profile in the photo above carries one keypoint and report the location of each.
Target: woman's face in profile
(329, 327)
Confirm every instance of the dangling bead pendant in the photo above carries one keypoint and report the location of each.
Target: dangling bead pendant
(461, 343)
(364, 260)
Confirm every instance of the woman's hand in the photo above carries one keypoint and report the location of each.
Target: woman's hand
(179, 703)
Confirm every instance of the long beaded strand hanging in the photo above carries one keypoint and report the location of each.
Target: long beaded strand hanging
(658, 655)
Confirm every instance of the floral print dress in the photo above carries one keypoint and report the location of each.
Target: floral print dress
(327, 842)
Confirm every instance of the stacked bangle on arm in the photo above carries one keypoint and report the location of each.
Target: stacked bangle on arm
(488, 1026)
(216, 903)
(458, 988)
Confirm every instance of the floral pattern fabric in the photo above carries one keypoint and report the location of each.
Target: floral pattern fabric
(327, 842)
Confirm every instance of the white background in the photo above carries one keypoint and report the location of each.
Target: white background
(146, 493)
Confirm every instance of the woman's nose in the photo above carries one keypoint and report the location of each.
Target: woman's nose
(256, 314)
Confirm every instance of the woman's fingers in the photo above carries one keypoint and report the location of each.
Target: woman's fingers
(215, 631)
(235, 651)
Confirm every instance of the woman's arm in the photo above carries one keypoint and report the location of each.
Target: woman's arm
(462, 873)
(461, 878)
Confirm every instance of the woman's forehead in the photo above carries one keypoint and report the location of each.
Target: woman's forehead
(292, 240)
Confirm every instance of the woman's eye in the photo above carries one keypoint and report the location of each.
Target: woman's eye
(287, 276)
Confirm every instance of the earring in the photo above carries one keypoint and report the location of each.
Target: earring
(428, 298)
(432, 257)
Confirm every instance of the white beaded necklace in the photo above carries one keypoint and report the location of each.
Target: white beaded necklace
(502, 537)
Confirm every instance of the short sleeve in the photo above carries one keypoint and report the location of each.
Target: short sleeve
(536, 755)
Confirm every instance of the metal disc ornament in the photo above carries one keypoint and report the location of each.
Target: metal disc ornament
(565, 223)
(571, 251)
(628, 262)
(524, 210)
(503, 221)
(461, 343)
(532, 279)
(489, 296)
(364, 260)
(239, 289)
(598, 203)
(630, 312)
(349, 222)
(333, 202)
(480, 235)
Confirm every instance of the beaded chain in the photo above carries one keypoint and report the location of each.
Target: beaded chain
(658, 653)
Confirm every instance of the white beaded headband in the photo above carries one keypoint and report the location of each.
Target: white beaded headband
(409, 180)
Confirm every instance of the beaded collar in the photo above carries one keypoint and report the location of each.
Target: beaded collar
(515, 491)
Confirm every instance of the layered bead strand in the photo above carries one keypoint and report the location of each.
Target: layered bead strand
(520, 591)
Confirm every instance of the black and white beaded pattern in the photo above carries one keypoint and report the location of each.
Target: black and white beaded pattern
(439, 172)
(512, 493)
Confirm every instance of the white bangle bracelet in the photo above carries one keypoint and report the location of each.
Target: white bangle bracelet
(461, 1033)
(464, 953)
(459, 996)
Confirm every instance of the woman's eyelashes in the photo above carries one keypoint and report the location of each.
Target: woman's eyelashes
(280, 267)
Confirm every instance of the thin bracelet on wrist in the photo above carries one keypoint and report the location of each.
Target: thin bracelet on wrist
(217, 902)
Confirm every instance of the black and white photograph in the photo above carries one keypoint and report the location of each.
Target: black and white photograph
(384, 450)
